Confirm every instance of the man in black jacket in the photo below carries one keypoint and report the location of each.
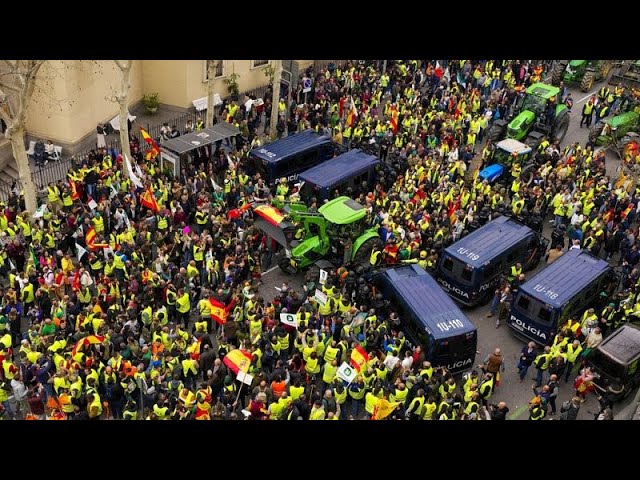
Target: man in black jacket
(499, 411)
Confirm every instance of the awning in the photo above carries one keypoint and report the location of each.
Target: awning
(206, 136)
(115, 121)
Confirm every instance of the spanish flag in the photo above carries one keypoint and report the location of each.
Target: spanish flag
(86, 341)
(74, 190)
(148, 200)
(383, 409)
(219, 311)
(153, 152)
(270, 214)
(238, 360)
(89, 239)
(394, 119)
(359, 358)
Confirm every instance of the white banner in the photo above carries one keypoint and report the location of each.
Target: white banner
(289, 319)
(134, 178)
(81, 251)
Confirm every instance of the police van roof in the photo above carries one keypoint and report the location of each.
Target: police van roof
(566, 277)
(291, 145)
(429, 303)
(489, 241)
(330, 173)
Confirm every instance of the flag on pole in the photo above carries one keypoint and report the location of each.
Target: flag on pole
(134, 178)
(148, 200)
(216, 187)
(238, 360)
(359, 358)
(153, 152)
(113, 193)
(383, 409)
(81, 251)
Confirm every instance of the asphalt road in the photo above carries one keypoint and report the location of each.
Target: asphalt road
(516, 394)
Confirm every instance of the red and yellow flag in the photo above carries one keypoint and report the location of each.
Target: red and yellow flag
(74, 190)
(359, 358)
(236, 212)
(383, 409)
(86, 341)
(238, 360)
(89, 239)
(270, 214)
(220, 311)
(394, 119)
(148, 200)
(153, 152)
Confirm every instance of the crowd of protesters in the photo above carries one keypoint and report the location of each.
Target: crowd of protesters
(120, 326)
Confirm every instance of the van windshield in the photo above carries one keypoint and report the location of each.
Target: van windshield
(607, 365)
(458, 270)
(535, 310)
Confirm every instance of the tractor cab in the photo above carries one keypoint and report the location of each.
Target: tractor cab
(507, 152)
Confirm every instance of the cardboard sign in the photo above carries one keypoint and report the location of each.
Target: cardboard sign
(346, 372)
(320, 297)
(323, 276)
(289, 319)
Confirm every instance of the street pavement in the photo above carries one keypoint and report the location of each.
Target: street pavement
(514, 393)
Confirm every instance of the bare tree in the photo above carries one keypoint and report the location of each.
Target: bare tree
(17, 82)
(212, 66)
(122, 97)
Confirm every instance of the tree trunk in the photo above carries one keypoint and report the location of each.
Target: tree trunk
(211, 71)
(16, 137)
(275, 110)
(123, 101)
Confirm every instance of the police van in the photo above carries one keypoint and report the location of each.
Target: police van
(290, 156)
(354, 170)
(470, 269)
(429, 317)
(561, 291)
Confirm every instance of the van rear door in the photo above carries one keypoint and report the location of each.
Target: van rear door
(457, 353)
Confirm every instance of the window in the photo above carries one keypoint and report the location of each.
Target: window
(545, 315)
(258, 63)
(466, 274)
(523, 303)
(447, 264)
(218, 69)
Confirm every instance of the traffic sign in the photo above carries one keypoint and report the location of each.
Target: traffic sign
(306, 84)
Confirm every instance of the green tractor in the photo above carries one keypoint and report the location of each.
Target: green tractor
(528, 123)
(618, 132)
(584, 72)
(336, 234)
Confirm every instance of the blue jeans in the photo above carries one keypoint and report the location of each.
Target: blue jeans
(494, 304)
(7, 408)
(522, 370)
(354, 407)
(539, 374)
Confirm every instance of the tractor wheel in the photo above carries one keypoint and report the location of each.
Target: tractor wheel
(533, 142)
(595, 132)
(528, 173)
(587, 81)
(364, 252)
(496, 133)
(561, 126)
(285, 265)
(557, 74)
(605, 68)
